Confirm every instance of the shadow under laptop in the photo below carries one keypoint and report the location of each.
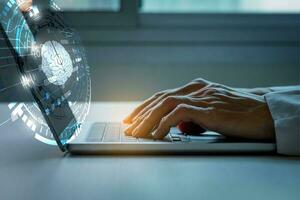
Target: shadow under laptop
(18, 147)
(271, 157)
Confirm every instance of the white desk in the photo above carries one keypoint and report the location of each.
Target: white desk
(32, 170)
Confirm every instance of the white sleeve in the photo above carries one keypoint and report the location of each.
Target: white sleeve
(285, 110)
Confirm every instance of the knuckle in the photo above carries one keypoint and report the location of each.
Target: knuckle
(218, 88)
(147, 117)
(182, 108)
(171, 92)
(210, 90)
(157, 94)
(164, 95)
(201, 81)
(221, 92)
(212, 111)
(163, 120)
(170, 100)
(215, 85)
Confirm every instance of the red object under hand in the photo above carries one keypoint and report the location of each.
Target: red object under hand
(190, 128)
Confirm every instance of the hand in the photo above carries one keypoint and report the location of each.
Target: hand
(149, 103)
(215, 107)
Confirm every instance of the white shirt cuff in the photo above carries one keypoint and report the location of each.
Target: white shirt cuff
(285, 110)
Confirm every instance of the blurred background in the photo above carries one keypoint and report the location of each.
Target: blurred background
(138, 47)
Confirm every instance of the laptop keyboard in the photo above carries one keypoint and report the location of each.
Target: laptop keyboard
(114, 132)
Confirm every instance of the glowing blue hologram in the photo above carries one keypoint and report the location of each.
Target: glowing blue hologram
(44, 139)
(57, 49)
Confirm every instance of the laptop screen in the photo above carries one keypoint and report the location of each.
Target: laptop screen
(49, 96)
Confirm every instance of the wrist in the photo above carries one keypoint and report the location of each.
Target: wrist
(257, 91)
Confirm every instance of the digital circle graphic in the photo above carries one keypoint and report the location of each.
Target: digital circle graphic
(54, 52)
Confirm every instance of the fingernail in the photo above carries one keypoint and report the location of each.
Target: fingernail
(127, 119)
(126, 122)
(127, 131)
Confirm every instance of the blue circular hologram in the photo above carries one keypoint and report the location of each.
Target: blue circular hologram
(30, 36)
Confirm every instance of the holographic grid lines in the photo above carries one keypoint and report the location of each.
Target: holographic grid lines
(77, 85)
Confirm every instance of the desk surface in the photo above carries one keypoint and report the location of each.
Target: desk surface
(32, 170)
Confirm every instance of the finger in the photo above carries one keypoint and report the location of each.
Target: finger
(185, 113)
(190, 128)
(150, 106)
(184, 90)
(201, 92)
(211, 90)
(128, 130)
(161, 110)
(174, 100)
(129, 118)
(136, 122)
(151, 117)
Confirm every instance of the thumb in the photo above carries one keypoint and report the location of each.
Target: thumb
(190, 128)
(184, 113)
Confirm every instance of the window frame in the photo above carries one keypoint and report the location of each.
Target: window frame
(130, 16)
(89, 19)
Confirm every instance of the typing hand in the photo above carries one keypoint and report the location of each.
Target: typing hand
(215, 107)
(149, 103)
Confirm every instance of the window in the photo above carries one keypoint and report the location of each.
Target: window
(88, 5)
(220, 6)
(91, 14)
(133, 12)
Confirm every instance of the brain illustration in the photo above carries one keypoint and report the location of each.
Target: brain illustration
(56, 62)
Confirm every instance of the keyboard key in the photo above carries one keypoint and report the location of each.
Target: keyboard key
(112, 133)
(96, 132)
(140, 140)
(125, 138)
(129, 139)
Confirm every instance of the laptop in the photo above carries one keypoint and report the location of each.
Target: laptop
(109, 138)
